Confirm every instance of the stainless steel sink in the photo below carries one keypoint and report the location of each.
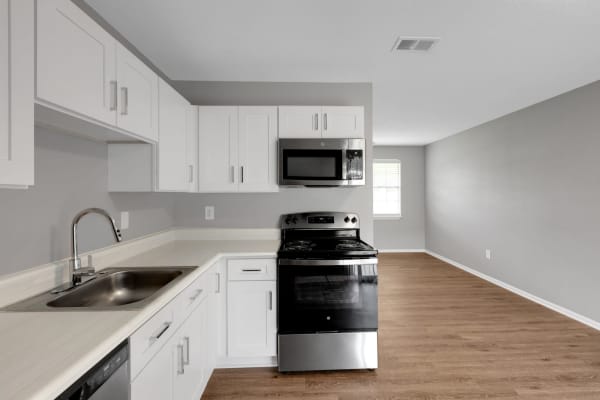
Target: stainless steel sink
(112, 289)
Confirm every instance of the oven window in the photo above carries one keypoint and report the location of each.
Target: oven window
(327, 298)
(312, 164)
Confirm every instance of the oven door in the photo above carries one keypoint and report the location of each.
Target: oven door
(327, 295)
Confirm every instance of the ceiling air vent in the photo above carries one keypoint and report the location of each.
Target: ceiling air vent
(414, 43)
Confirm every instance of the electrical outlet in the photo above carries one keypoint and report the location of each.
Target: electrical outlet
(124, 220)
(488, 254)
(209, 213)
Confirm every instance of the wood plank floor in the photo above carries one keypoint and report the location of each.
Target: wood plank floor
(445, 334)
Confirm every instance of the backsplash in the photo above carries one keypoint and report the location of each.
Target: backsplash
(70, 175)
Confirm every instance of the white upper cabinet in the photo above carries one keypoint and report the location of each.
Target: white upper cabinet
(16, 93)
(300, 122)
(237, 149)
(173, 168)
(137, 95)
(191, 144)
(343, 122)
(75, 61)
(84, 72)
(257, 149)
(321, 122)
(218, 149)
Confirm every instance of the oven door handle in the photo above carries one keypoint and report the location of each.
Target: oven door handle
(332, 263)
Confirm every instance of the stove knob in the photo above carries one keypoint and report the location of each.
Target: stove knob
(347, 219)
(354, 220)
(294, 220)
(288, 220)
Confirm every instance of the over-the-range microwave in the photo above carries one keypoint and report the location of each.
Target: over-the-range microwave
(321, 162)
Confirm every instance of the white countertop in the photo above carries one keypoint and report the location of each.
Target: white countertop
(43, 353)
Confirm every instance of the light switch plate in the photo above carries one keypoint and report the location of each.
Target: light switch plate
(124, 220)
(488, 254)
(209, 213)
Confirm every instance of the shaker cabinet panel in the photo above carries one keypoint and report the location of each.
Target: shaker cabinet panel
(251, 313)
(173, 169)
(300, 122)
(258, 149)
(218, 168)
(76, 61)
(343, 122)
(16, 93)
(137, 96)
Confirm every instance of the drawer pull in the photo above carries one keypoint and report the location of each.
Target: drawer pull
(164, 328)
(252, 270)
(186, 360)
(198, 294)
(180, 362)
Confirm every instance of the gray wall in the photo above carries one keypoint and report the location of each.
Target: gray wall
(70, 175)
(526, 186)
(408, 232)
(263, 210)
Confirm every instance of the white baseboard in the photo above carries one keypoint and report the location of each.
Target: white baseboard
(402, 250)
(554, 307)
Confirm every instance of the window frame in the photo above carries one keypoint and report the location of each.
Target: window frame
(388, 161)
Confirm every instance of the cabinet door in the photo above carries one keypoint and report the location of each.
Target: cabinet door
(251, 317)
(155, 382)
(258, 149)
(75, 61)
(173, 169)
(16, 92)
(189, 355)
(300, 122)
(137, 97)
(217, 149)
(343, 122)
(191, 146)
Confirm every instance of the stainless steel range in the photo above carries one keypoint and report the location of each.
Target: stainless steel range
(327, 294)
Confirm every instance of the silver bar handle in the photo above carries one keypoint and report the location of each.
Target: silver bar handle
(191, 173)
(325, 121)
(218, 283)
(232, 173)
(316, 121)
(270, 300)
(251, 270)
(242, 173)
(180, 363)
(161, 332)
(198, 294)
(125, 102)
(186, 360)
(113, 96)
(357, 261)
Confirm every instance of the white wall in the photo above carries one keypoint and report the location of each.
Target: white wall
(407, 232)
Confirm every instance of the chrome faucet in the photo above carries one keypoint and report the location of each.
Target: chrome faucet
(76, 271)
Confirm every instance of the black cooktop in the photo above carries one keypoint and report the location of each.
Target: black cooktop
(325, 248)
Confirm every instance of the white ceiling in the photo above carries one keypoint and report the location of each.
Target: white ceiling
(494, 57)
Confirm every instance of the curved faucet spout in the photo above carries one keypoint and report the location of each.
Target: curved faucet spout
(75, 261)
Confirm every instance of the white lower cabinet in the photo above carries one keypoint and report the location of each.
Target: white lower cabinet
(182, 367)
(251, 311)
(190, 353)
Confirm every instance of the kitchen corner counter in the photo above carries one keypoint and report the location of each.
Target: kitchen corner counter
(43, 353)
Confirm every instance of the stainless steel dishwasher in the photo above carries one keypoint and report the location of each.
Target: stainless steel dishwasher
(107, 380)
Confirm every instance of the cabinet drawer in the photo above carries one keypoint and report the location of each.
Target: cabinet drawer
(148, 340)
(191, 297)
(256, 269)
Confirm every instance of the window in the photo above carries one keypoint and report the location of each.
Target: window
(386, 188)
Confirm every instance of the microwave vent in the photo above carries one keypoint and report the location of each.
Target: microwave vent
(422, 44)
